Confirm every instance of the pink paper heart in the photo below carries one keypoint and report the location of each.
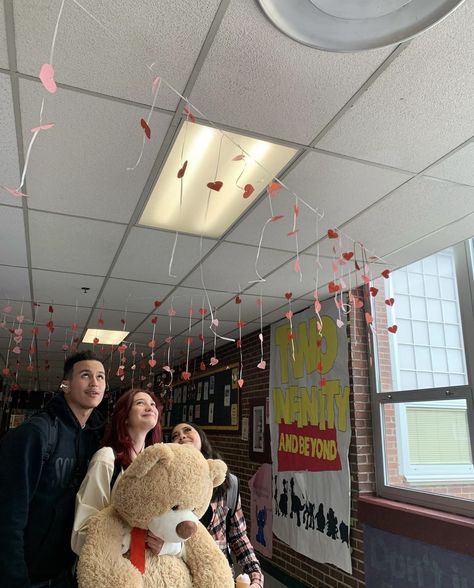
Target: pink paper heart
(7, 309)
(366, 279)
(121, 348)
(42, 127)
(289, 315)
(20, 318)
(339, 323)
(186, 375)
(16, 349)
(357, 302)
(3, 325)
(213, 361)
(14, 192)
(215, 322)
(368, 318)
(46, 76)
(152, 363)
(317, 306)
(18, 339)
(262, 365)
(167, 368)
(171, 312)
(6, 371)
(18, 331)
(296, 266)
(240, 382)
(65, 347)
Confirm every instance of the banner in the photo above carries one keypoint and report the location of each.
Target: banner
(310, 436)
(261, 522)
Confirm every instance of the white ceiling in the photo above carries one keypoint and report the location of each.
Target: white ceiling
(385, 150)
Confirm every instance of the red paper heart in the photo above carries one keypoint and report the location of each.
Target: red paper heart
(188, 340)
(322, 382)
(213, 361)
(202, 366)
(348, 255)
(186, 375)
(95, 341)
(332, 234)
(289, 295)
(202, 311)
(273, 187)
(373, 291)
(151, 344)
(240, 324)
(216, 186)
(122, 348)
(319, 366)
(238, 343)
(157, 303)
(390, 301)
(393, 329)
(276, 218)
(34, 331)
(290, 336)
(154, 320)
(145, 127)
(74, 327)
(333, 287)
(238, 299)
(100, 322)
(152, 362)
(50, 308)
(189, 114)
(182, 170)
(238, 157)
(240, 382)
(201, 338)
(368, 318)
(386, 273)
(248, 190)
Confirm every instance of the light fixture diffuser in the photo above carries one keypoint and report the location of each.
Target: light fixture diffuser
(194, 208)
(105, 336)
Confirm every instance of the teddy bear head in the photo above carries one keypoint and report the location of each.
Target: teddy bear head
(167, 488)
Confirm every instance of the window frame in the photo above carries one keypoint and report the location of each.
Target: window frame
(464, 262)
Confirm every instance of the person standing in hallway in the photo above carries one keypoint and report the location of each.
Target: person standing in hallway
(42, 464)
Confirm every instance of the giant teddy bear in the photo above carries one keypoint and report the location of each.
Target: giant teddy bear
(166, 489)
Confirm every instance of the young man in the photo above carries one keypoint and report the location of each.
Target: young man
(42, 464)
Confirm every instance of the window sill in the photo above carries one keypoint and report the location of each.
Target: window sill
(446, 530)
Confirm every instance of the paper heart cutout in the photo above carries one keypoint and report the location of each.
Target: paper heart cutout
(157, 303)
(273, 187)
(145, 128)
(319, 366)
(373, 291)
(202, 366)
(202, 311)
(20, 318)
(7, 309)
(201, 338)
(339, 323)
(262, 365)
(18, 331)
(16, 350)
(213, 361)
(6, 371)
(276, 218)
(333, 287)
(385, 273)
(240, 382)
(74, 327)
(189, 114)
(215, 322)
(260, 336)
(238, 343)
(240, 324)
(292, 233)
(100, 322)
(50, 308)
(188, 340)
(154, 320)
(151, 344)
(18, 339)
(121, 348)
(289, 315)
(238, 157)
(296, 210)
(332, 234)
(366, 279)
(152, 362)
(167, 368)
(238, 299)
(95, 341)
(65, 347)
(133, 367)
(393, 329)
(46, 75)
(334, 267)
(182, 170)
(368, 318)
(348, 255)
(322, 382)
(317, 306)
(248, 190)
(296, 266)
(171, 312)
(290, 336)
(29, 368)
(186, 375)
(390, 301)
(14, 192)
(288, 295)
(44, 127)
(216, 186)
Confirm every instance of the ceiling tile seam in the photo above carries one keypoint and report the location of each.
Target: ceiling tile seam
(448, 154)
(166, 144)
(77, 216)
(363, 88)
(15, 89)
(92, 93)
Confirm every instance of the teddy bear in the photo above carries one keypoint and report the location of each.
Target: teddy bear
(166, 489)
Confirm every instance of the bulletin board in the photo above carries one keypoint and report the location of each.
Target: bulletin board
(211, 399)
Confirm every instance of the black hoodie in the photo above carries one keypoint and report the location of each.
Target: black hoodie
(37, 492)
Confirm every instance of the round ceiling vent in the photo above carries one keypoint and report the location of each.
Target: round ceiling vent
(355, 25)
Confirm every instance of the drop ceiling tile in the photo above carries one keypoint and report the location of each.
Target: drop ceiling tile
(442, 239)
(146, 256)
(3, 39)
(65, 243)
(14, 283)
(9, 170)
(337, 187)
(421, 106)
(256, 78)
(79, 166)
(420, 208)
(62, 288)
(12, 237)
(230, 267)
(63, 315)
(112, 56)
(133, 296)
(457, 167)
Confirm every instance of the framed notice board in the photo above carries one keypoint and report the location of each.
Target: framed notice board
(211, 399)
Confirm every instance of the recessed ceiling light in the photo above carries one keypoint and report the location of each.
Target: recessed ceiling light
(210, 154)
(105, 336)
(355, 25)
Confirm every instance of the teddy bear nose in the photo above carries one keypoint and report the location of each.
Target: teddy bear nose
(185, 529)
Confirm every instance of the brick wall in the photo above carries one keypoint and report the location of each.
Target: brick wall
(235, 452)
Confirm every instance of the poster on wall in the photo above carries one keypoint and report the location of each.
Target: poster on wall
(310, 436)
(261, 519)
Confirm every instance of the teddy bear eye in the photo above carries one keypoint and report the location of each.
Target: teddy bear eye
(175, 507)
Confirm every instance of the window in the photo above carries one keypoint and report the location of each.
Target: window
(423, 400)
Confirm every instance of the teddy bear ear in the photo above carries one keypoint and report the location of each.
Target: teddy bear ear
(147, 459)
(218, 471)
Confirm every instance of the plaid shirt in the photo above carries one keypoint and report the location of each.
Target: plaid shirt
(239, 543)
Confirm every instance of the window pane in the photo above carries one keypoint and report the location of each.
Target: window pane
(427, 349)
(427, 447)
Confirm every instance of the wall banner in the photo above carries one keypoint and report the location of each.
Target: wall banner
(310, 436)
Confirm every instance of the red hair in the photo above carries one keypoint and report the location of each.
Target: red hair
(118, 437)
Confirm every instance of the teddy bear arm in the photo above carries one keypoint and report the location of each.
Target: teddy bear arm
(208, 566)
(101, 562)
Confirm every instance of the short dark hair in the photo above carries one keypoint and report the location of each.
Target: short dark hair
(74, 358)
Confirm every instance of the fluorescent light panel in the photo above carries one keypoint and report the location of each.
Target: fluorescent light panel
(198, 210)
(105, 336)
